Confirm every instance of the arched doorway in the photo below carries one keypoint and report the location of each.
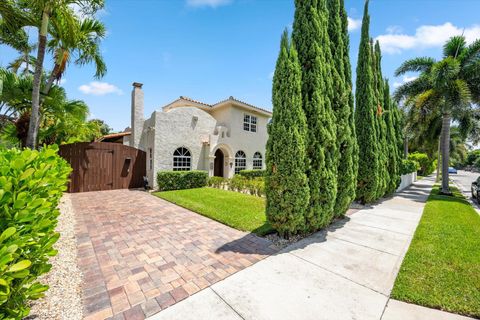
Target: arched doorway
(218, 163)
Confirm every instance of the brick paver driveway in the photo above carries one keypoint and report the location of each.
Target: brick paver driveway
(140, 254)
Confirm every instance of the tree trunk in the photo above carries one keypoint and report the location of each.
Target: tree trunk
(439, 160)
(51, 79)
(37, 81)
(445, 151)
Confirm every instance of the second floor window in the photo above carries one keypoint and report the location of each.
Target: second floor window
(249, 123)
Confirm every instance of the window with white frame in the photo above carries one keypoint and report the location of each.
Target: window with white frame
(257, 161)
(182, 159)
(249, 123)
(240, 161)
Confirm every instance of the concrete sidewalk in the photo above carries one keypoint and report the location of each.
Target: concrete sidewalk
(345, 272)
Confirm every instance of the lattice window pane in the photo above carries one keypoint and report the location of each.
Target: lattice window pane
(182, 159)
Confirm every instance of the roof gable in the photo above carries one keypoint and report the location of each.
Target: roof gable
(188, 102)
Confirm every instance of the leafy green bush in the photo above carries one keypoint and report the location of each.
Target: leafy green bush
(427, 165)
(256, 187)
(239, 183)
(31, 185)
(472, 157)
(177, 180)
(216, 182)
(477, 163)
(409, 166)
(251, 174)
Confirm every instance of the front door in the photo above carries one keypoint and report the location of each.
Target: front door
(218, 164)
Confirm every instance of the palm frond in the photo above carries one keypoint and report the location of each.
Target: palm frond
(412, 88)
(454, 46)
(421, 64)
(471, 54)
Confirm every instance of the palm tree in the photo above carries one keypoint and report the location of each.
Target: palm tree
(451, 84)
(51, 12)
(25, 60)
(63, 120)
(83, 44)
(14, 96)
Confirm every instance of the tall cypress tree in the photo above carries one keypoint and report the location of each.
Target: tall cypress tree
(398, 124)
(380, 122)
(310, 36)
(392, 144)
(365, 113)
(286, 182)
(348, 81)
(342, 102)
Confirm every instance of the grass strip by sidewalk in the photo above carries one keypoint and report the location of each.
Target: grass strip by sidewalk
(442, 266)
(237, 210)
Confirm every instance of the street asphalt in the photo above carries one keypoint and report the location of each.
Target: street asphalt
(464, 180)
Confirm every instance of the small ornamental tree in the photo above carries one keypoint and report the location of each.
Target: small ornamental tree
(343, 106)
(393, 165)
(380, 122)
(286, 183)
(365, 112)
(310, 36)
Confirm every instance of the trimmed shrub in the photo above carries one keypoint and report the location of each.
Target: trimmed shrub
(409, 166)
(253, 186)
(177, 180)
(31, 185)
(427, 166)
(237, 183)
(250, 174)
(216, 182)
(256, 187)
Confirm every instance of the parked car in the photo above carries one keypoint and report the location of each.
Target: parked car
(476, 189)
(452, 170)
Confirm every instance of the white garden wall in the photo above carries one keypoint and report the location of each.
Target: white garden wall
(407, 180)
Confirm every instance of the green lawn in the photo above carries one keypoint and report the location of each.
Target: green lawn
(240, 211)
(442, 266)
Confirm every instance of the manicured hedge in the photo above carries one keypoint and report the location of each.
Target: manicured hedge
(427, 166)
(250, 174)
(253, 186)
(409, 166)
(31, 185)
(177, 180)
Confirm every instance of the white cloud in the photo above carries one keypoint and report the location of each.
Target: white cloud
(405, 79)
(208, 3)
(81, 12)
(426, 36)
(99, 88)
(270, 75)
(354, 24)
(63, 81)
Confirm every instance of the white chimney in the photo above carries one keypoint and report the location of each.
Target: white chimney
(137, 114)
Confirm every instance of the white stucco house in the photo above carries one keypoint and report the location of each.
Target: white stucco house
(221, 138)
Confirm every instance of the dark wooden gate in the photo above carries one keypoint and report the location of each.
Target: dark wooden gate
(104, 166)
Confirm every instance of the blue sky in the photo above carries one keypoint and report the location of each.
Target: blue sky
(211, 49)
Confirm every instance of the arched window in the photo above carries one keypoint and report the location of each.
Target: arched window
(240, 161)
(182, 159)
(257, 161)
